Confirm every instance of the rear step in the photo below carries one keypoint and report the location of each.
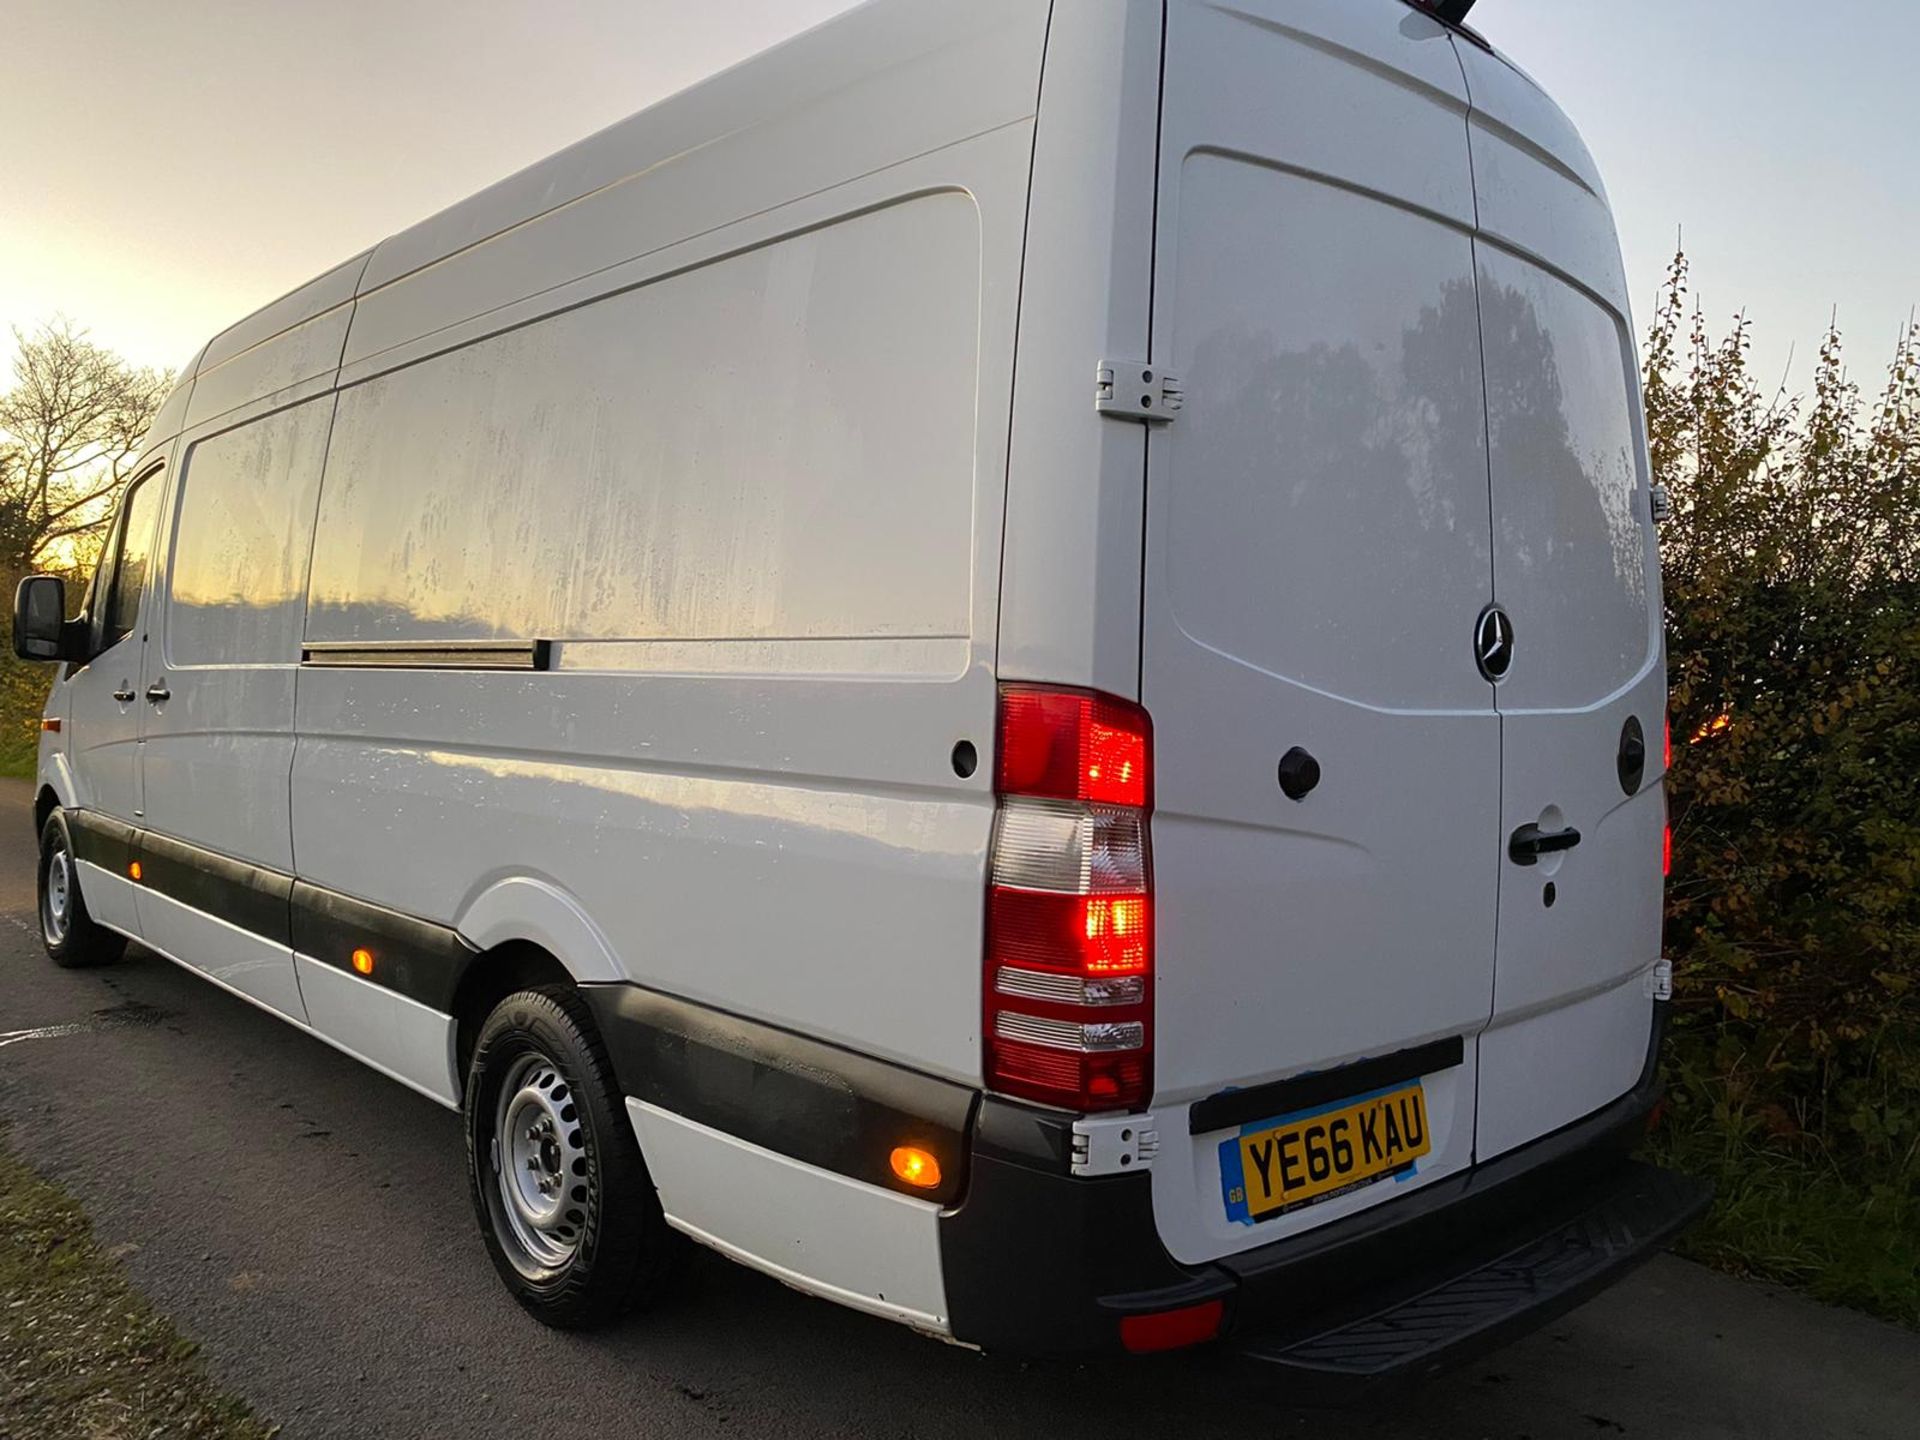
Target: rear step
(1550, 1267)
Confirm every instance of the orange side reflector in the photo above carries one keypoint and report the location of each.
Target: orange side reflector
(916, 1167)
(51, 722)
(134, 870)
(363, 961)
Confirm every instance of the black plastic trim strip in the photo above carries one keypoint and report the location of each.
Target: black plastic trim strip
(1230, 1108)
(430, 655)
(101, 840)
(419, 959)
(1039, 1262)
(799, 1097)
(249, 896)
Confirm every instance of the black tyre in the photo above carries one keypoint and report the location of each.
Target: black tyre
(563, 1197)
(66, 928)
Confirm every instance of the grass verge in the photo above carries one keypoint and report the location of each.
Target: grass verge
(81, 1352)
(1827, 1214)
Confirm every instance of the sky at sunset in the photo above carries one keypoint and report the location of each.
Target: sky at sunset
(167, 168)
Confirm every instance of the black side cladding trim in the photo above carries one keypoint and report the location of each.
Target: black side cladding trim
(1229, 1108)
(803, 1098)
(419, 959)
(1040, 1262)
(101, 840)
(250, 896)
(416, 958)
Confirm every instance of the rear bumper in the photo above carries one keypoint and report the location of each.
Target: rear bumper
(1039, 1262)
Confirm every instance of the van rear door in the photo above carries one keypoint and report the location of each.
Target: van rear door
(1576, 570)
(1318, 553)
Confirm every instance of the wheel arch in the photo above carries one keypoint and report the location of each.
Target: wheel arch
(529, 932)
(44, 804)
(489, 978)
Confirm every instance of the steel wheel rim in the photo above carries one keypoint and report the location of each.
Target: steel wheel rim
(540, 1165)
(56, 900)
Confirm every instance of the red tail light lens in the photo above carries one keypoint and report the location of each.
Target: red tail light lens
(1073, 745)
(1666, 851)
(1069, 961)
(1173, 1329)
(1092, 935)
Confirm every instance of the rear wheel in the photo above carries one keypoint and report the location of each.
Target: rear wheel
(66, 928)
(563, 1197)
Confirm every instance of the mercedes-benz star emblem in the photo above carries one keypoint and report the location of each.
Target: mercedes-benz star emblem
(1493, 642)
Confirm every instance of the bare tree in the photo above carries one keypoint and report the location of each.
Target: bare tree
(70, 430)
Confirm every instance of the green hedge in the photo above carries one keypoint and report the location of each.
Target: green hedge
(1792, 569)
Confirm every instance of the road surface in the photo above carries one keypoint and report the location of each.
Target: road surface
(307, 1222)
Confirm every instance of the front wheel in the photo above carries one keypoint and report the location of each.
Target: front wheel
(564, 1200)
(68, 931)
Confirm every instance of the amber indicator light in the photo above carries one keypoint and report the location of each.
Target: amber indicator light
(916, 1166)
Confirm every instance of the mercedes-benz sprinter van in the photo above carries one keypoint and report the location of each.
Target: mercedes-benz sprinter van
(1006, 663)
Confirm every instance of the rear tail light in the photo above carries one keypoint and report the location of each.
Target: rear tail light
(1073, 745)
(1173, 1329)
(1069, 963)
(1666, 825)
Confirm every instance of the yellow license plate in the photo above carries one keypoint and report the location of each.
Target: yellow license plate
(1275, 1165)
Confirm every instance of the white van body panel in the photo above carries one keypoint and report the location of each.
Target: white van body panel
(865, 1247)
(737, 770)
(1070, 572)
(112, 899)
(1576, 566)
(521, 909)
(397, 1036)
(243, 962)
(1317, 554)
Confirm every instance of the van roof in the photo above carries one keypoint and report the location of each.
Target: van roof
(804, 67)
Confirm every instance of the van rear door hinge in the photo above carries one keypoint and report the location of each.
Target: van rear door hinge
(1137, 390)
(1114, 1144)
(1659, 981)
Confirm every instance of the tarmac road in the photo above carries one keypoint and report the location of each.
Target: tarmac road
(307, 1221)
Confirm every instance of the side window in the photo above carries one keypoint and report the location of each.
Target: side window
(237, 588)
(121, 611)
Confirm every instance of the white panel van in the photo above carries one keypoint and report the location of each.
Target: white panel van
(1006, 663)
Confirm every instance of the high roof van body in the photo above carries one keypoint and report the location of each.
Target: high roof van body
(1006, 663)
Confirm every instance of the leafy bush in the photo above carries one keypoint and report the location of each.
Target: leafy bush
(1792, 567)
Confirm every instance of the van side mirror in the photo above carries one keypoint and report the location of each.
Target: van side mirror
(40, 628)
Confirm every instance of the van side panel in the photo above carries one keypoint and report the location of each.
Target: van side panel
(747, 489)
(291, 348)
(1070, 583)
(776, 447)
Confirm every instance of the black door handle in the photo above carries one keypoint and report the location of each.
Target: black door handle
(1530, 842)
(158, 692)
(125, 694)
